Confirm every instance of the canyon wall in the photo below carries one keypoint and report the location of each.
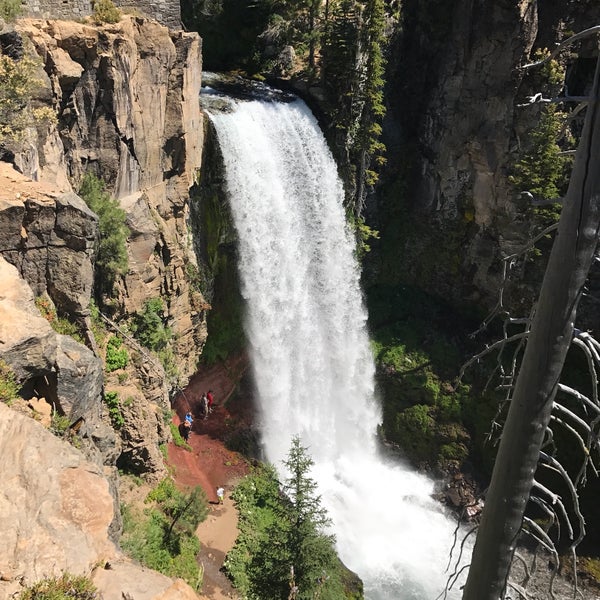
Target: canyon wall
(447, 210)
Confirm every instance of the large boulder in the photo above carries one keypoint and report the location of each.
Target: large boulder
(55, 506)
(56, 367)
(56, 510)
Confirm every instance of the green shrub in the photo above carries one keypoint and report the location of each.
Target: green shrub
(59, 423)
(10, 9)
(168, 360)
(65, 587)
(542, 169)
(454, 451)
(164, 537)
(9, 388)
(113, 403)
(111, 252)
(98, 327)
(417, 419)
(19, 82)
(148, 326)
(61, 325)
(177, 439)
(116, 356)
(105, 11)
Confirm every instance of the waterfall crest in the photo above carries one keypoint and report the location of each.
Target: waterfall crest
(310, 352)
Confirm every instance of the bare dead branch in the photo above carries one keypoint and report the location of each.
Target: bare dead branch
(545, 459)
(574, 38)
(489, 349)
(532, 242)
(540, 536)
(583, 399)
(525, 568)
(581, 477)
(554, 521)
(539, 99)
(556, 501)
(522, 592)
(571, 415)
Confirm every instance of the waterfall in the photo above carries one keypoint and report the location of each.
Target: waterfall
(307, 329)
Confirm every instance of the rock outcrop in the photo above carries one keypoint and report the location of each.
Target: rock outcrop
(56, 510)
(66, 374)
(49, 236)
(127, 102)
(127, 99)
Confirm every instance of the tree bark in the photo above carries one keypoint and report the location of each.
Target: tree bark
(537, 381)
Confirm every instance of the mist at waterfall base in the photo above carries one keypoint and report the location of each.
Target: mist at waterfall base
(310, 352)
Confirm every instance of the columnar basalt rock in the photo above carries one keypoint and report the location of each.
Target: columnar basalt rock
(127, 99)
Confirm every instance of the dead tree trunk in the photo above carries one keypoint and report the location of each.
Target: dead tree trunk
(535, 389)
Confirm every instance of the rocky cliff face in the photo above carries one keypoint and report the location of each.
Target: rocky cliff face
(127, 102)
(49, 235)
(56, 510)
(126, 97)
(454, 134)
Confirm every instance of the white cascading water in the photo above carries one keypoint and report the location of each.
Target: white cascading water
(310, 353)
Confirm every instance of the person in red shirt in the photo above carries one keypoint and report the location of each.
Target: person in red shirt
(210, 399)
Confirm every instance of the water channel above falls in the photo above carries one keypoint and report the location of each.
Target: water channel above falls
(307, 328)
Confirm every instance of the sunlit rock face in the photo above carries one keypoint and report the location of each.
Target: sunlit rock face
(127, 102)
(56, 510)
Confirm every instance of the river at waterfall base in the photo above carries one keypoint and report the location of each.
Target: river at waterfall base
(313, 369)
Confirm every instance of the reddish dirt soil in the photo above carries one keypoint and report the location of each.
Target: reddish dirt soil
(211, 464)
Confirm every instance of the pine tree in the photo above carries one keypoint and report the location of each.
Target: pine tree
(311, 549)
(292, 556)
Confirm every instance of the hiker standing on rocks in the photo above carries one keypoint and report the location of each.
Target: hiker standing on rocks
(210, 399)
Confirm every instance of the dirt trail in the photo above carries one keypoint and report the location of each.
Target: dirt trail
(210, 464)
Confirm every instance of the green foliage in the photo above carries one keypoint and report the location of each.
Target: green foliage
(278, 531)
(168, 360)
(61, 325)
(9, 388)
(65, 587)
(227, 336)
(353, 74)
(177, 439)
(541, 169)
(552, 71)
(164, 536)
(417, 360)
(111, 251)
(19, 82)
(105, 11)
(194, 277)
(363, 234)
(113, 403)
(10, 9)
(148, 326)
(98, 327)
(117, 356)
(59, 423)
